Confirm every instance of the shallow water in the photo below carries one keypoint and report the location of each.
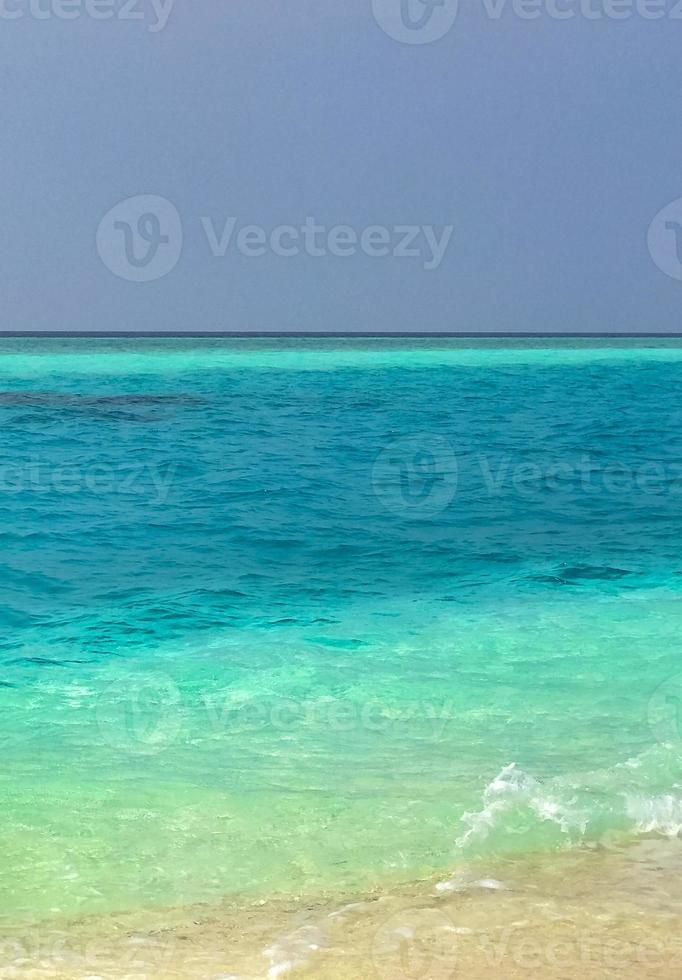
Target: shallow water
(306, 620)
(595, 914)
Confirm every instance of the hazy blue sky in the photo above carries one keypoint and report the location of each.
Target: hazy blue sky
(549, 146)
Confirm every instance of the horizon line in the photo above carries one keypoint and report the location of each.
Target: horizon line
(298, 334)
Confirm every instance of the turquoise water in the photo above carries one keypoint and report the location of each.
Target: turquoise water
(309, 618)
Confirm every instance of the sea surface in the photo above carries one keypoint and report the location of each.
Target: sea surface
(290, 619)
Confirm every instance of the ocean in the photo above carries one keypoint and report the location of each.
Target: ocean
(298, 624)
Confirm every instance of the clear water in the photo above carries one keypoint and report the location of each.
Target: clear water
(309, 618)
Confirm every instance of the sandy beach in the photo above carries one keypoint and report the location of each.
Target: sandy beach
(593, 915)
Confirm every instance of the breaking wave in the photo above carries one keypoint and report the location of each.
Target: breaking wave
(642, 796)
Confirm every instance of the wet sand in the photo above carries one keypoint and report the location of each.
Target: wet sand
(587, 914)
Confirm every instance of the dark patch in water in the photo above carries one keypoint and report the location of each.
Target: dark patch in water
(340, 644)
(52, 399)
(603, 572)
(575, 574)
(44, 662)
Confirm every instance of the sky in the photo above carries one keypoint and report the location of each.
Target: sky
(486, 168)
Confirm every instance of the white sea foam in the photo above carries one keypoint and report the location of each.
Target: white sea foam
(511, 790)
(656, 814)
(631, 797)
(293, 950)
